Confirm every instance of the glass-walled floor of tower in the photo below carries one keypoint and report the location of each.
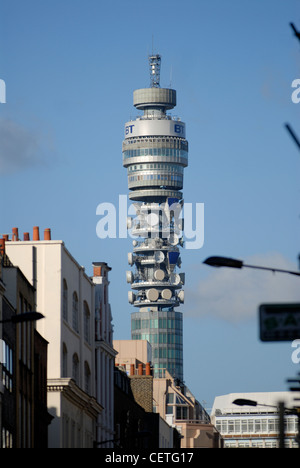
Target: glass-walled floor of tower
(163, 330)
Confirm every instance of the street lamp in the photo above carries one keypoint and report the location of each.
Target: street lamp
(297, 33)
(245, 402)
(234, 263)
(26, 317)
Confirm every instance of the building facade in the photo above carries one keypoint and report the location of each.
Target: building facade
(18, 371)
(65, 294)
(2, 290)
(104, 355)
(24, 414)
(168, 397)
(254, 426)
(155, 153)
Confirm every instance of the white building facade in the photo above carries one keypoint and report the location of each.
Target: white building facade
(254, 426)
(104, 355)
(2, 290)
(65, 294)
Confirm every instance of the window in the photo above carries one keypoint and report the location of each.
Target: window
(231, 426)
(75, 317)
(7, 366)
(244, 425)
(75, 368)
(87, 321)
(87, 378)
(65, 361)
(237, 426)
(257, 425)
(7, 438)
(65, 300)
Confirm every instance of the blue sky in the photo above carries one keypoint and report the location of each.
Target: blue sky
(70, 68)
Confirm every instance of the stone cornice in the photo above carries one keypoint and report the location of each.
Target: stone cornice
(104, 346)
(75, 395)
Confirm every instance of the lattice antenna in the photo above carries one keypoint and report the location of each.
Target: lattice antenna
(154, 64)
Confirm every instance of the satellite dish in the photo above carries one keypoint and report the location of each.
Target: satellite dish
(129, 276)
(159, 275)
(152, 294)
(130, 258)
(129, 222)
(134, 243)
(166, 294)
(180, 296)
(174, 278)
(131, 297)
(159, 256)
(173, 239)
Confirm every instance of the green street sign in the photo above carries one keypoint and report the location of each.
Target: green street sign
(279, 322)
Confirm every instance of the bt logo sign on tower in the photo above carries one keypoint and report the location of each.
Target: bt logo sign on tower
(2, 92)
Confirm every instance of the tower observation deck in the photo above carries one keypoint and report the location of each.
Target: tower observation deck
(155, 153)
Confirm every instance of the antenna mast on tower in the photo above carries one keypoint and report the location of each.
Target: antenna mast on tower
(154, 63)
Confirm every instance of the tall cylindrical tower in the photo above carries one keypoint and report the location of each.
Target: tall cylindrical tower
(155, 153)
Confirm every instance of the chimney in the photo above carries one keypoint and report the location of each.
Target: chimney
(2, 247)
(15, 234)
(26, 236)
(36, 233)
(132, 369)
(148, 368)
(6, 237)
(47, 234)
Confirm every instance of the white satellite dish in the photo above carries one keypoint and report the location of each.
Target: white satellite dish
(166, 294)
(159, 275)
(130, 258)
(131, 297)
(129, 222)
(134, 243)
(129, 276)
(174, 278)
(159, 256)
(173, 239)
(180, 296)
(152, 294)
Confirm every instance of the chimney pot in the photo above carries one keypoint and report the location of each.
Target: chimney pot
(36, 233)
(97, 271)
(132, 369)
(6, 237)
(15, 234)
(47, 234)
(26, 236)
(148, 368)
(140, 369)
